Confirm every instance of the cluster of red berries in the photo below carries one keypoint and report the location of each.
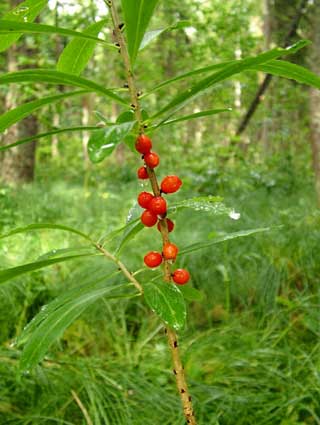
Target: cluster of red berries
(155, 208)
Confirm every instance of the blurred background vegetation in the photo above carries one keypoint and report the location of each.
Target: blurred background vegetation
(251, 347)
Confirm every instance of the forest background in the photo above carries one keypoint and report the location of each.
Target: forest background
(251, 347)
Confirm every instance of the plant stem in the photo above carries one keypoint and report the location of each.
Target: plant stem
(121, 266)
(171, 334)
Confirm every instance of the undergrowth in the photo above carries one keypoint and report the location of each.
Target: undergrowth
(252, 344)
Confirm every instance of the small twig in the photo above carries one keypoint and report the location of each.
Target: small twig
(121, 266)
(82, 408)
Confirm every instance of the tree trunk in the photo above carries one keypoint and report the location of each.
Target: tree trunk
(315, 97)
(17, 164)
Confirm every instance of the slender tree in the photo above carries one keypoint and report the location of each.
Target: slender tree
(315, 97)
(18, 164)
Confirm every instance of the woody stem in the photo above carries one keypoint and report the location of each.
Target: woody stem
(171, 334)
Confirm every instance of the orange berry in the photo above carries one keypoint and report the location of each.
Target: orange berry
(144, 199)
(143, 144)
(142, 173)
(158, 205)
(181, 276)
(148, 218)
(153, 259)
(170, 251)
(170, 184)
(151, 159)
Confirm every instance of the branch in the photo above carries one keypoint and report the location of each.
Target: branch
(267, 79)
(171, 335)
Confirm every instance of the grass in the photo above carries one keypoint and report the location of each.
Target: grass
(251, 348)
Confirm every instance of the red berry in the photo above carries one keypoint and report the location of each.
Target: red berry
(181, 276)
(158, 205)
(153, 259)
(170, 184)
(170, 251)
(143, 144)
(144, 199)
(170, 225)
(148, 218)
(142, 173)
(151, 159)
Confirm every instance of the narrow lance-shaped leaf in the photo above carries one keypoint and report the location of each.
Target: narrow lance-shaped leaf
(129, 234)
(218, 239)
(45, 226)
(210, 204)
(291, 71)
(166, 300)
(189, 74)
(26, 11)
(103, 141)
(12, 27)
(56, 77)
(48, 133)
(150, 36)
(194, 116)
(22, 111)
(54, 318)
(78, 52)
(137, 15)
(235, 68)
(13, 272)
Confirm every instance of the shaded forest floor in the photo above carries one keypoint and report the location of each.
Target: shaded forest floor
(251, 348)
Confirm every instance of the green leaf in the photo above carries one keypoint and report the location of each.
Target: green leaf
(26, 11)
(103, 141)
(8, 274)
(56, 77)
(189, 74)
(137, 15)
(11, 27)
(228, 71)
(194, 116)
(22, 111)
(54, 318)
(190, 293)
(129, 234)
(291, 71)
(166, 300)
(49, 133)
(150, 36)
(210, 204)
(78, 52)
(218, 239)
(60, 252)
(45, 226)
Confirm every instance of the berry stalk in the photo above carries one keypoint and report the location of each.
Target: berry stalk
(151, 161)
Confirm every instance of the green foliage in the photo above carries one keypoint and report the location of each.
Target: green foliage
(9, 27)
(103, 141)
(22, 111)
(44, 135)
(259, 317)
(56, 77)
(137, 15)
(55, 317)
(78, 52)
(292, 71)
(228, 71)
(12, 273)
(167, 302)
(26, 11)
(150, 36)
